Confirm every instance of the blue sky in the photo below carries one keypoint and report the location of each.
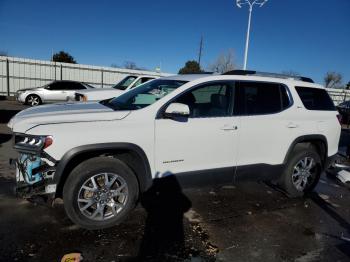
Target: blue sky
(310, 37)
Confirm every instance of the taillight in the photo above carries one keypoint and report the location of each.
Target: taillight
(339, 118)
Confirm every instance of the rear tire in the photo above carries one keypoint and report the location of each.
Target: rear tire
(302, 171)
(33, 100)
(100, 193)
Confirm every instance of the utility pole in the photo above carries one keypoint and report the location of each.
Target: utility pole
(200, 51)
(251, 4)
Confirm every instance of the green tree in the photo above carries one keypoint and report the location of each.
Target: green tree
(63, 57)
(191, 67)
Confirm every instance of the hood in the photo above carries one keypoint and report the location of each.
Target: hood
(100, 93)
(63, 113)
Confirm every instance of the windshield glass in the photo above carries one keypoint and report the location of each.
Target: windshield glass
(144, 95)
(122, 85)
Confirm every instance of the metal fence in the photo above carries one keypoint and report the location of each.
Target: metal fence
(18, 73)
(339, 95)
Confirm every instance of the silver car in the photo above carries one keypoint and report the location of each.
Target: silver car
(55, 91)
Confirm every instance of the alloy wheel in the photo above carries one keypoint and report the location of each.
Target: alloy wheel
(33, 100)
(304, 173)
(102, 196)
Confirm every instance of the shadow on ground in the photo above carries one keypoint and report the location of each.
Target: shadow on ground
(165, 205)
(342, 222)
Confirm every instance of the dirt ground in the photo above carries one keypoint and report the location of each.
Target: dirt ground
(245, 222)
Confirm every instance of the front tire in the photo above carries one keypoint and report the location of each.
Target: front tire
(100, 193)
(302, 172)
(33, 100)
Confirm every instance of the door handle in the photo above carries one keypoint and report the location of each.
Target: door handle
(229, 127)
(292, 125)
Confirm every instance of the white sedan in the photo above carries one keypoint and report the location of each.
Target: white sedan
(99, 94)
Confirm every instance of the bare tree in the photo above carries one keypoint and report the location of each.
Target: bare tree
(132, 65)
(224, 62)
(333, 80)
(3, 53)
(290, 73)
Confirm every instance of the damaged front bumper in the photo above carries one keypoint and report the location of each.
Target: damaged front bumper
(34, 175)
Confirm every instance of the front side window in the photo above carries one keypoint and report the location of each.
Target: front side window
(260, 98)
(144, 95)
(141, 81)
(210, 100)
(73, 86)
(315, 98)
(124, 84)
(58, 86)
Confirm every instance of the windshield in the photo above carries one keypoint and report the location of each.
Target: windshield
(122, 85)
(143, 95)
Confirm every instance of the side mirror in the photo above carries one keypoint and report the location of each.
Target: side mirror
(177, 110)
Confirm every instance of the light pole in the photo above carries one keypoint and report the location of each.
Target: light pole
(251, 4)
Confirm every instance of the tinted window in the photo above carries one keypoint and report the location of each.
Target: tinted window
(122, 85)
(58, 85)
(213, 100)
(260, 98)
(315, 98)
(75, 86)
(141, 81)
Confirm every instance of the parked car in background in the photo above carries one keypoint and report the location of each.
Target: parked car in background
(56, 91)
(99, 94)
(344, 110)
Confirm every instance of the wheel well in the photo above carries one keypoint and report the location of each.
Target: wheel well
(32, 95)
(319, 144)
(131, 158)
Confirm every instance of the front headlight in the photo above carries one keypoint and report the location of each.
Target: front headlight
(31, 142)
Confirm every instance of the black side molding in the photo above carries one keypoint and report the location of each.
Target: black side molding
(145, 180)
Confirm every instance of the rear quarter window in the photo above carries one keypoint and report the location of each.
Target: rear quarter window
(315, 98)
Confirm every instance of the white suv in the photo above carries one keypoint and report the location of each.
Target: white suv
(100, 157)
(125, 84)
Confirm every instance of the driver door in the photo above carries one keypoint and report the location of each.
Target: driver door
(205, 142)
(56, 91)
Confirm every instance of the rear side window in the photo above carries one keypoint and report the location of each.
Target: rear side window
(261, 98)
(315, 98)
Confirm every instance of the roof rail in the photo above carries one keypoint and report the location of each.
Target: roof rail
(256, 73)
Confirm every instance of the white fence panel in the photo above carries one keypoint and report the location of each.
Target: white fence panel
(18, 73)
(339, 95)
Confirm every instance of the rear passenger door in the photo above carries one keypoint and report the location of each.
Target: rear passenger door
(265, 131)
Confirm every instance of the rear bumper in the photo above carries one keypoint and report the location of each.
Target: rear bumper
(330, 160)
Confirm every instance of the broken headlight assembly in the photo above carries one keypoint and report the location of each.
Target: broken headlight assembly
(31, 143)
(34, 167)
